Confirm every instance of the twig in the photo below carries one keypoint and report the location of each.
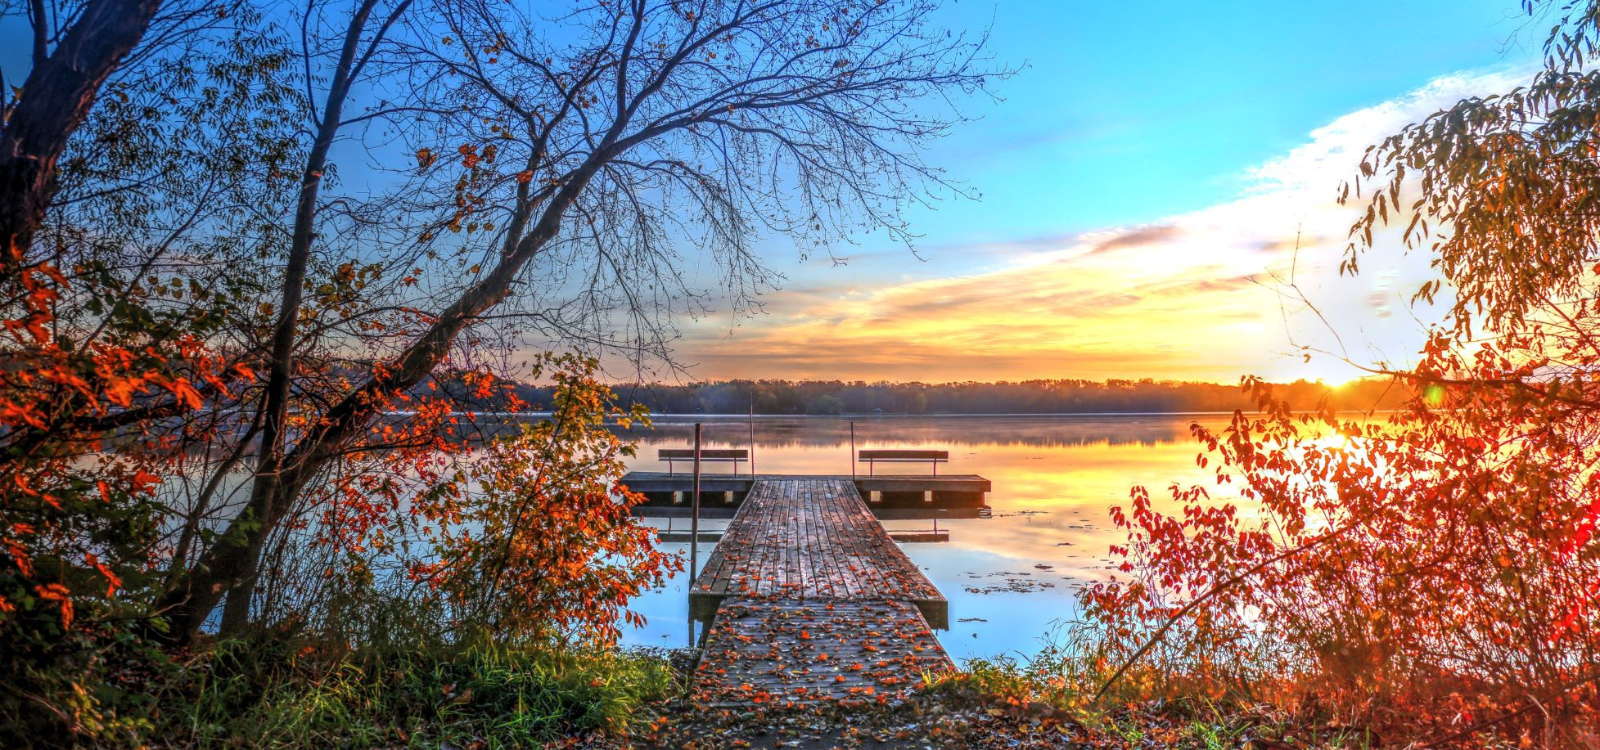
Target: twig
(1211, 592)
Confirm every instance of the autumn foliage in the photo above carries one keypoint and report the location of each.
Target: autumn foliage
(1436, 565)
(534, 538)
(240, 392)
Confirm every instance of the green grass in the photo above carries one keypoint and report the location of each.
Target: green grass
(267, 695)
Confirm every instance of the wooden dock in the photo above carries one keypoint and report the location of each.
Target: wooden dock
(667, 494)
(812, 601)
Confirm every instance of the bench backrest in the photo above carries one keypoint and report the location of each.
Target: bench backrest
(904, 455)
(706, 454)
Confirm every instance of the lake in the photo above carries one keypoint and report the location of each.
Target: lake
(1010, 578)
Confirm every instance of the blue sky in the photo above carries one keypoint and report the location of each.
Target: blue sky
(1142, 185)
(1224, 126)
(1127, 112)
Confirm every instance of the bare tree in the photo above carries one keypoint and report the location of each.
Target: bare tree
(363, 36)
(576, 156)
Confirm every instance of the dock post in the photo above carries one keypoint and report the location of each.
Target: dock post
(852, 449)
(694, 517)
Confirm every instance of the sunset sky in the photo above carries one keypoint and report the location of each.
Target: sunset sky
(1143, 185)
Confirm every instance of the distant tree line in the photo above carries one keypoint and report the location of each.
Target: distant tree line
(1063, 396)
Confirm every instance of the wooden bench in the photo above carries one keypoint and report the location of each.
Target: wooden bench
(905, 456)
(734, 456)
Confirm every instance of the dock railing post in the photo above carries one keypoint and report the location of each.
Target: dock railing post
(852, 449)
(694, 513)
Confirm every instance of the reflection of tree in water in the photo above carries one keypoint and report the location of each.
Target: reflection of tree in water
(814, 432)
(1042, 431)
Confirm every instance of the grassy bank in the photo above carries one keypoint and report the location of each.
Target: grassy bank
(279, 693)
(269, 693)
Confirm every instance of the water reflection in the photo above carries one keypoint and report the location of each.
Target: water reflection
(1009, 577)
(966, 430)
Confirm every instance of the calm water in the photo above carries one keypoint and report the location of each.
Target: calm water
(1054, 479)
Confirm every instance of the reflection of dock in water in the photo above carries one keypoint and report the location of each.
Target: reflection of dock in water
(903, 536)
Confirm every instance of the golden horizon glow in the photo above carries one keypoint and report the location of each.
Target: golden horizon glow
(1202, 296)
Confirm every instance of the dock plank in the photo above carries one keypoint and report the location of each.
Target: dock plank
(791, 652)
(823, 521)
(813, 601)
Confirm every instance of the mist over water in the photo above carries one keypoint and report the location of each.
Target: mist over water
(1010, 578)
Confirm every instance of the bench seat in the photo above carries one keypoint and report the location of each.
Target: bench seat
(874, 456)
(734, 456)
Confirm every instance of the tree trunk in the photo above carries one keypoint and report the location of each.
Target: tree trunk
(232, 560)
(54, 102)
(225, 564)
(261, 512)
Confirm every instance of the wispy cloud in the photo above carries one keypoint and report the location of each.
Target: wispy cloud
(1137, 237)
(1196, 295)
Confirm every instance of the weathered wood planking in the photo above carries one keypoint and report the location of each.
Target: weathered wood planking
(810, 539)
(788, 651)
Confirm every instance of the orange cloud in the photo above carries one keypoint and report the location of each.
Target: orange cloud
(1068, 316)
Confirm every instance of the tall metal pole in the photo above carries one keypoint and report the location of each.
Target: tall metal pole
(694, 518)
(852, 449)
